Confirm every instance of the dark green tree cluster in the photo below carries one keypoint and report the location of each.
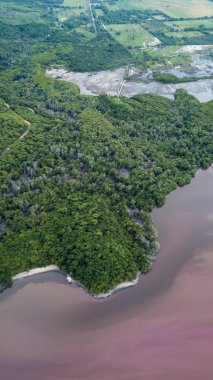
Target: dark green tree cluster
(79, 189)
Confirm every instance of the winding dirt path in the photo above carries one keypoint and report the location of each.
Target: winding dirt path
(21, 137)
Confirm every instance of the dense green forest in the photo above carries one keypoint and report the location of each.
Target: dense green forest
(79, 188)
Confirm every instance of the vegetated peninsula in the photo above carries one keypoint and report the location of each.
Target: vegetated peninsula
(80, 175)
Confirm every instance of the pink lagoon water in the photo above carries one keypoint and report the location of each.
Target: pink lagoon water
(160, 329)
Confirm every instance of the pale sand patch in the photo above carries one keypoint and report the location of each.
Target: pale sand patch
(32, 272)
(91, 83)
(193, 48)
(123, 285)
(70, 280)
(201, 89)
(111, 82)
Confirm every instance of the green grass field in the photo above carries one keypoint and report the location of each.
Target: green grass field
(87, 35)
(171, 57)
(131, 35)
(181, 34)
(181, 25)
(75, 9)
(175, 8)
(75, 3)
(16, 14)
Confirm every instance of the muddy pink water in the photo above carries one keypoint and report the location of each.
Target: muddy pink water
(160, 329)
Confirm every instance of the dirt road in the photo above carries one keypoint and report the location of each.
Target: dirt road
(23, 135)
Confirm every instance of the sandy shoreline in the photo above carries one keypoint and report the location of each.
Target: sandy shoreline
(32, 272)
(70, 280)
(122, 286)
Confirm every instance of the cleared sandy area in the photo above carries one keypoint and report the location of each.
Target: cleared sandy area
(202, 89)
(194, 48)
(111, 82)
(92, 83)
(33, 272)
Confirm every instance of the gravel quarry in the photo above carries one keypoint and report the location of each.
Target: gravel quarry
(92, 83)
(112, 82)
(201, 89)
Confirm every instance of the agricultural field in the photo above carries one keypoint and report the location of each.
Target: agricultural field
(197, 24)
(131, 35)
(71, 8)
(183, 34)
(176, 9)
(171, 55)
(75, 3)
(167, 58)
(15, 14)
(130, 32)
(169, 34)
(137, 24)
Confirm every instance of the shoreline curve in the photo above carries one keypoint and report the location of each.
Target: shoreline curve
(71, 280)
